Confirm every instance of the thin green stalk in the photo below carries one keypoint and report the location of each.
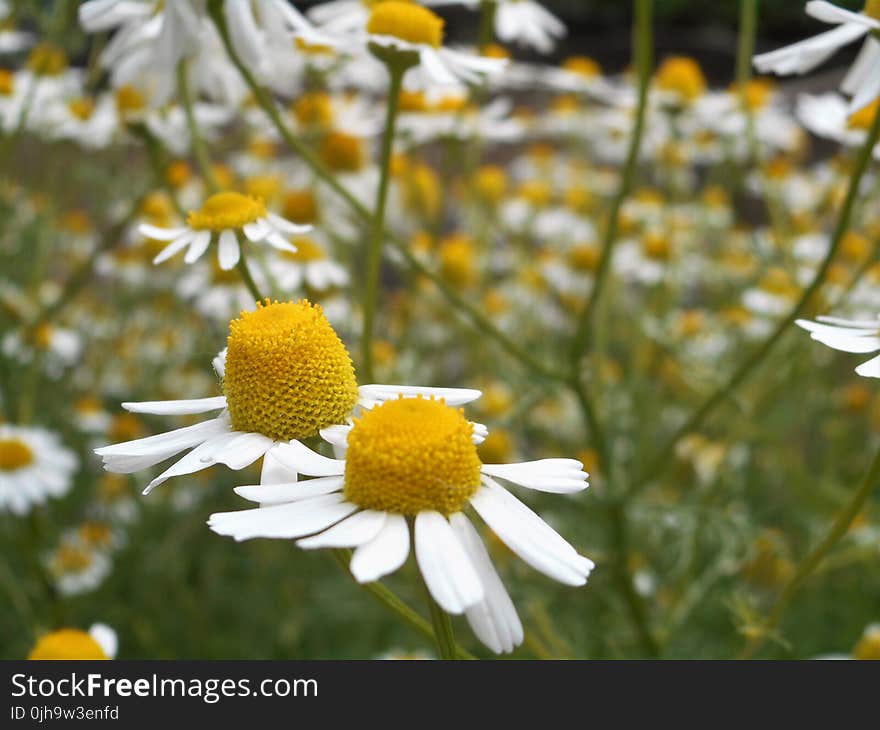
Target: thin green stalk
(199, 150)
(643, 62)
(486, 33)
(443, 633)
(664, 456)
(245, 272)
(748, 23)
(393, 603)
(377, 232)
(839, 527)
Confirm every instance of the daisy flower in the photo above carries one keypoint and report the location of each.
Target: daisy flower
(416, 33)
(224, 217)
(100, 642)
(307, 266)
(863, 80)
(412, 464)
(828, 116)
(34, 465)
(285, 376)
(856, 336)
(75, 567)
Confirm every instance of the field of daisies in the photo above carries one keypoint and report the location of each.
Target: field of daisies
(341, 330)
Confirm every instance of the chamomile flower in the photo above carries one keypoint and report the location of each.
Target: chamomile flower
(34, 465)
(100, 642)
(411, 463)
(863, 80)
(225, 218)
(75, 567)
(856, 336)
(285, 376)
(827, 115)
(416, 33)
(308, 266)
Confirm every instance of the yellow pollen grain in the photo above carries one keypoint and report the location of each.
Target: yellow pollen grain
(67, 644)
(223, 211)
(14, 454)
(288, 375)
(411, 455)
(409, 22)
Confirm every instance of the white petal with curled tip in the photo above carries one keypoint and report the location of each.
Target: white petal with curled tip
(175, 247)
(229, 253)
(352, 532)
(296, 519)
(282, 224)
(244, 450)
(177, 407)
(277, 241)
(197, 247)
(256, 231)
(557, 476)
(529, 536)
(283, 493)
(452, 396)
(445, 566)
(301, 459)
(170, 442)
(829, 13)
(804, 55)
(480, 433)
(494, 619)
(384, 554)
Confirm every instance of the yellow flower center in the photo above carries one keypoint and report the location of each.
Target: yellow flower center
(410, 455)
(490, 182)
(537, 192)
(343, 152)
(156, 207)
(95, 534)
(457, 260)
(869, 645)
(306, 250)
(682, 75)
(71, 559)
(756, 93)
(14, 454)
(855, 247)
(82, 108)
(263, 187)
(67, 644)
(584, 257)
(864, 117)
(777, 281)
(129, 100)
(409, 22)
(7, 82)
(656, 246)
(223, 211)
(314, 110)
(495, 50)
(288, 375)
(47, 60)
(300, 206)
(178, 173)
(582, 66)
(76, 221)
(872, 9)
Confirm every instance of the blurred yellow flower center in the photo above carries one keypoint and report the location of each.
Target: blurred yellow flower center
(409, 22)
(457, 260)
(343, 152)
(864, 117)
(129, 100)
(681, 75)
(584, 257)
(288, 375)
(411, 455)
(7, 82)
(777, 281)
(855, 246)
(226, 210)
(71, 559)
(67, 644)
(872, 9)
(495, 50)
(96, 534)
(582, 66)
(314, 109)
(656, 246)
(263, 187)
(300, 206)
(306, 250)
(47, 60)
(82, 108)
(490, 182)
(14, 454)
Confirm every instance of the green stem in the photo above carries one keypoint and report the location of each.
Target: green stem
(199, 150)
(443, 633)
(246, 276)
(377, 232)
(839, 527)
(393, 603)
(748, 23)
(643, 61)
(664, 457)
(486, 33)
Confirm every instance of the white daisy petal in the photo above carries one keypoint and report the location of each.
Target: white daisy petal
(301, 459)
(177, 407)
(228, 252)
(197, 248)
(283, 521)
(445, 566)
(274, 472)
(384, 554)
(358, 529)
(452, 396)
(282, 493)
(161, 234)
(557, 476)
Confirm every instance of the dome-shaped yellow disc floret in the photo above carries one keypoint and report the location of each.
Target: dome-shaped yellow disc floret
(226, 210)
(410, 455)
(14, 454)
(67, 644)
(683, 76)
(288, 375)
(407, 21)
